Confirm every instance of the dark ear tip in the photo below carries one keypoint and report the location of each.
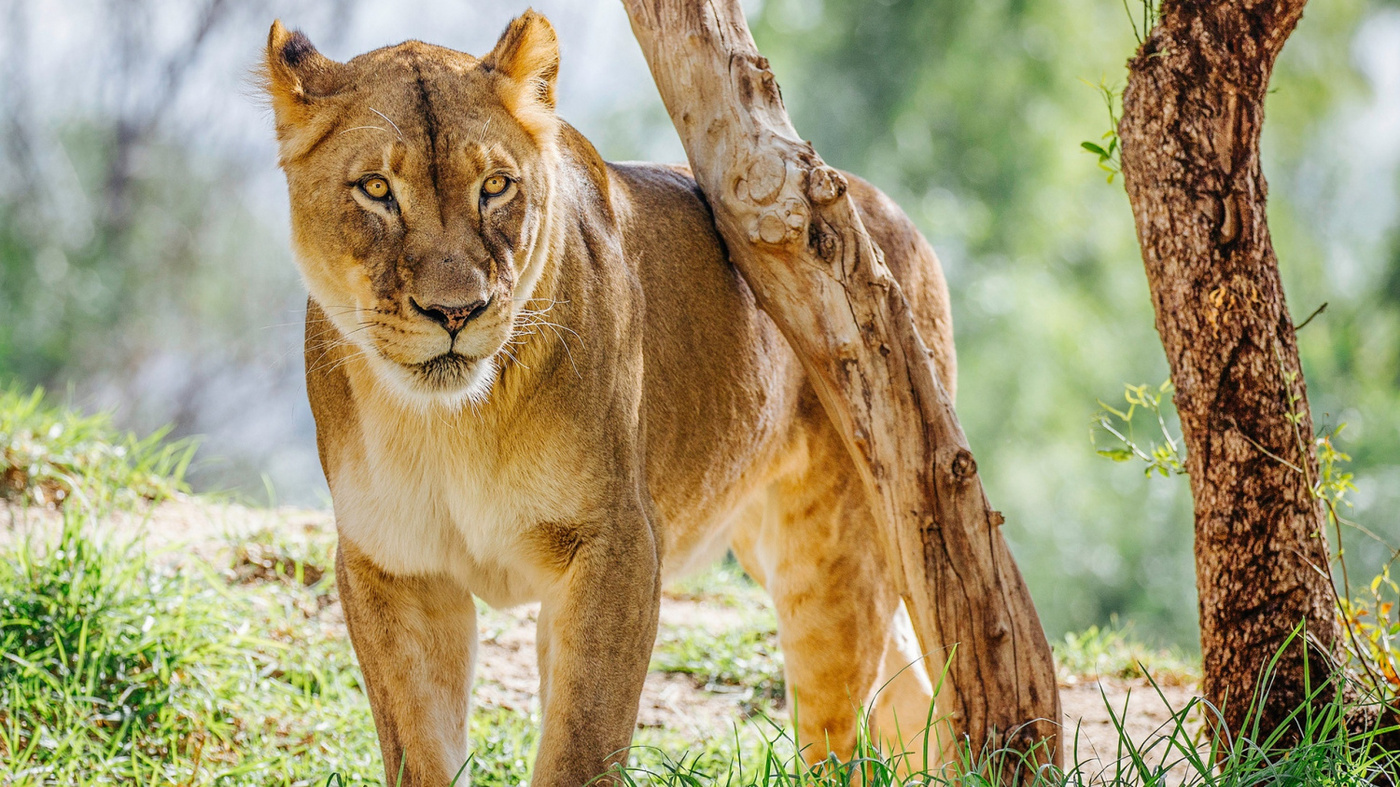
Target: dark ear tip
(297, 48)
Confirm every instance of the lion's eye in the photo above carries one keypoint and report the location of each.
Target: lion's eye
(495, 185)
(375, 188)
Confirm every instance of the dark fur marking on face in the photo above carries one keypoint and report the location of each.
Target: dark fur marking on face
(506, 242)
(500, 242)
(430, 128)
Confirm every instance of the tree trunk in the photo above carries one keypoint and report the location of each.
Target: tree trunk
(1192, 112)
(794, 234)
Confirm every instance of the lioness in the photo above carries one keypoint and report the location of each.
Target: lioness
(536, 376)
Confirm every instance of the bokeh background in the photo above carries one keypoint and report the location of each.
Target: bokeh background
(144, 263)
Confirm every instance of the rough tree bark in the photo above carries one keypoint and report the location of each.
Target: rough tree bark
(1192, 113)
(795, 236)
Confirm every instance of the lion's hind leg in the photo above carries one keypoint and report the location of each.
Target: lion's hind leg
(847, 644)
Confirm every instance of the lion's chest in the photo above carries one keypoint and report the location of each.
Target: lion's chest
(444, 500)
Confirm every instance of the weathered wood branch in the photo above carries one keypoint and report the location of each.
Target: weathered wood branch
(1192, 114)
(795, 235)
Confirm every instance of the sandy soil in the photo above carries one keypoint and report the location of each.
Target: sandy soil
(1093, 709)
(506, 670)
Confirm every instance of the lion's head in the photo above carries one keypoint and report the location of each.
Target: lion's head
(420, 182)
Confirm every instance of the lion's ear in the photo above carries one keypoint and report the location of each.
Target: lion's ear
(528, 55)
(296, 76)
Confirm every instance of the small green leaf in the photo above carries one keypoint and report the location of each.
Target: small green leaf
(1094, 148)
(1116, 454)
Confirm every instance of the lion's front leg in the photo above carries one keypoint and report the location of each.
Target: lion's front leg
(415, 638)
(596, 633)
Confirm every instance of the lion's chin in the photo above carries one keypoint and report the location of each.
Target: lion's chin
(449, 380)
(447, 373)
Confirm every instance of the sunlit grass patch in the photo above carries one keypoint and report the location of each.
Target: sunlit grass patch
(49, 454)
(121, 668)
(738, 659)
(111, 668)
(1113, 651)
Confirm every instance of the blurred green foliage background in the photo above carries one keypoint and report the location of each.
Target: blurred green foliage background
(143, 259)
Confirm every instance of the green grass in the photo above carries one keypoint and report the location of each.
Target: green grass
(1328, 756)
(127, 668)
(49, 454)
(120, 666)
(744, 659)
(1113, 652)
(96, 650)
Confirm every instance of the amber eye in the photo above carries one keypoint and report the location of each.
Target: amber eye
(375, 188)
(495, 185)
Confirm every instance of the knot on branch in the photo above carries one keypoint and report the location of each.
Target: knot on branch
(782, 223)
(998, 630)
(1229, 228)
(824, 240)
(962, 465)
(763, 180)
(758, 80)
(825, 185)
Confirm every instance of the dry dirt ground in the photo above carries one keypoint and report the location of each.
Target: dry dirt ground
(506, 674)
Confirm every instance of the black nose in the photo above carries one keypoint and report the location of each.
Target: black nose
(452, 318)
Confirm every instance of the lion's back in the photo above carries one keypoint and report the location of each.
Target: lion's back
(670, 222)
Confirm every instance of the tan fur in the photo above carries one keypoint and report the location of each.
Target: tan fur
(615, 411)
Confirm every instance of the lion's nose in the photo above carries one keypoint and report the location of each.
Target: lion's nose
(452, 318)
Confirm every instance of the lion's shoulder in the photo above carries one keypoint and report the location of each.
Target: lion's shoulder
(662, 202)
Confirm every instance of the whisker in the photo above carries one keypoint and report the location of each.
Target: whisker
(557, 326)
(332, 365)
(337, 343)
(511, 355)
(565, 342)
(358, 128)
(390, 122)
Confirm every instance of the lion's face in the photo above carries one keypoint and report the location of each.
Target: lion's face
(420, 182)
